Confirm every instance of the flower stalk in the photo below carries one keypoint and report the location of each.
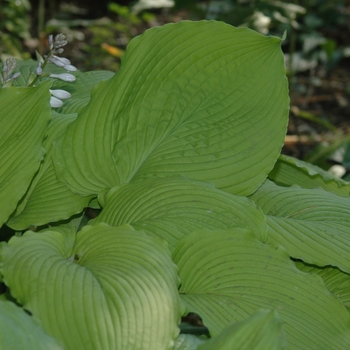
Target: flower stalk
(56, 47)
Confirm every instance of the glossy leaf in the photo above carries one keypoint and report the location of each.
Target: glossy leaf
(104, 288)
(203, 99)
(228, 276)
(173, 207)
(24, 116)
(312, 224)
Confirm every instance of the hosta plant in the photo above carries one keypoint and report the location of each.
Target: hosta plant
(178, 156)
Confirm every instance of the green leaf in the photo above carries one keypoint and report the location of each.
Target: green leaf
(108, 288)
(337, 282)
(48, 200)
(311, 224)
(202, 99)
(187, 342)
(263, 330)
(24, 115)
(228, 276)
(173, 207)
(290, 171)
(19, 331)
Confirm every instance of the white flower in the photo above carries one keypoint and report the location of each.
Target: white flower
(62, 59)
(70, 68)
(62, 94)
(57, 62)
(62, 62)
(55, 102)
(39, 70)
(63, 76)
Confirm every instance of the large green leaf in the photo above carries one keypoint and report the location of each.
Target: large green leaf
(24, 116)
(263, 330)
(19, 331)
(290, 171)
(312, 224)
(228, 276)
(48, 200)
(203, 99)
(104, 288)
(174, 207)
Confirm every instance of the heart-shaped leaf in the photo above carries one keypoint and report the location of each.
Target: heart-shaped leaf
(203, 99)
(104, 288)
(228, 276)
(173, 207)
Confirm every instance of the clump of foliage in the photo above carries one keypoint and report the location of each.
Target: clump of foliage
(180, 153)
(14, 26)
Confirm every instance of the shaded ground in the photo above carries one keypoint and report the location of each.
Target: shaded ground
(323, 96)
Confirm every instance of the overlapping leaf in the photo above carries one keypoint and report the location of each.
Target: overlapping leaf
(228, 276)
(19, 331)
(263, 330)
(201, 99)
(290, 171)
(173, 207)
(312, 224)
(104, 288)
(24, 116)
(48, 200)
(336, 281)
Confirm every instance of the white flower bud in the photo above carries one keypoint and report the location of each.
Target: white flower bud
(70, 68)
(62, 59)
(15, 75)
(61, 43)
(55, 102)
(39, 70)
(51, 42)
(56, 62)
(63, 76)
(60, 94)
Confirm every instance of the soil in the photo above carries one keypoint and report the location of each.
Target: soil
(325, 96)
